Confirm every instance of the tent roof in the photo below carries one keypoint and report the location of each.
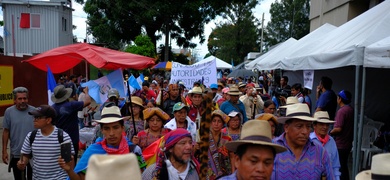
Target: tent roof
(66, 57)
(344, 45)
(220, 63)
(377, 55)
(270, 63)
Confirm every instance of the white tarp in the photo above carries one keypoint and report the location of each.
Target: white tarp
(188, 74)
(270, 63)
(377, 55)
(220, 63)
(343, 46)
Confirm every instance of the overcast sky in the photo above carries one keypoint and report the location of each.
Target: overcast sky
(79, 18)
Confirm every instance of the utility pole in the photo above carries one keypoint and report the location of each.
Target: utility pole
(166, 55)
(262, 34)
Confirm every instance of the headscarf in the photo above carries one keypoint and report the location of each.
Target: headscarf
(170, 139)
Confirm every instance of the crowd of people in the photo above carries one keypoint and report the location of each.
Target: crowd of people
(259, 129)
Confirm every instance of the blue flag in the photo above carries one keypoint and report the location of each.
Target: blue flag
(133, 84)
(98, 89)
(51, 84)
(140, 79)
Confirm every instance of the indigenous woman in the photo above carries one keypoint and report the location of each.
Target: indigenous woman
(219, 156)
(271, 120)
(269, 107)
(155, 120)
(138, 107)
(233, 128)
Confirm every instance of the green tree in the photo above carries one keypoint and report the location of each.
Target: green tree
(118, 22)
(238, 36)
(289, 18)
(142, 46)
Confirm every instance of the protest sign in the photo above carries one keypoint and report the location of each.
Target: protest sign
(308, 78)
(188, 74)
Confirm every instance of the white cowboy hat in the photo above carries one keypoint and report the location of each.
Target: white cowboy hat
(297, 111)
(61, 94)
(290, 100)
(110, 115)
(234, 91)
(380, 168)
(103, 167)
(196, 90)
(255, 132)
(322, 117)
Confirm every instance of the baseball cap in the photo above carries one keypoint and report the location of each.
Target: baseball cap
(178, 106)
(213, 86)
(43, 110)
(113, 92)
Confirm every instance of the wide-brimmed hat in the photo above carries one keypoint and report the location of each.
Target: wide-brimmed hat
(149, 112)
(43, 110)
(178, 106)
(291, 100)
(297, 111)
(61, 94)
(241, 84)
(380, 167)
(110, 115)
(103, 167)
(220, 84)
(322, 117)
(257, 87)
(196, 90)
(255, 132)
(233, 90)
(267, 117)
(137, 100)
(225, 118)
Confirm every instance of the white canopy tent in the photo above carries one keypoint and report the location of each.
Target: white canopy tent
(270, 63)
(273, 58)
(220, 63)
(377, 55)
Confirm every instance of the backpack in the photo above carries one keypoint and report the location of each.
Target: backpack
(60, 136)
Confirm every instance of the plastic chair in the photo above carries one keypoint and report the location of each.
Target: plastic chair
(369, 135)
(376, 124)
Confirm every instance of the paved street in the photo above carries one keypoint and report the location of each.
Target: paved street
(4, 175)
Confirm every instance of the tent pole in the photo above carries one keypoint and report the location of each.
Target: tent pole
(355, 123)
(86, 70)
(362, 103)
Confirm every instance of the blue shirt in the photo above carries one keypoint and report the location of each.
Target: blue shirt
(67, 118)
(230, 177)
(328, 102)
(228, 107)
(331, 148)
(313, 163)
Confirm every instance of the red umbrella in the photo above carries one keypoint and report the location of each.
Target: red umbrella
(66, 57)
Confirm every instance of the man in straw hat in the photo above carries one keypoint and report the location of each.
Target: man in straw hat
(114, 142)
(321, 136)
(254, 151)
(305, 159)
(380, 167)
(195, 109)
(252, 102)
(174, 158)
(67, 118)
(234, 104)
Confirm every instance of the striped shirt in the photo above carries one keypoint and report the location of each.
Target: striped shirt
(314, 162)
(46, 151)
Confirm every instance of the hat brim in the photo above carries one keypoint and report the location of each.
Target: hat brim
(35, 113)
(233, 145)
(283, 120)
(108, 120)
(326, 121)
(187, 108)
(63, 98)
(195, 92)
(364, 175)
(234, 93)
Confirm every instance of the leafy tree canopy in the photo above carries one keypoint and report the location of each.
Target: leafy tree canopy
(236, 37)
(289, 18)
(142, 46)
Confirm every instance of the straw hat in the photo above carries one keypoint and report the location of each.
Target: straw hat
(241, 84)
(290, 100)
(137, 100)
(297, 111)
(149, 112)
(110, 115)
(61, 94)
(234, 91)
(322, 117)
(255, 132)
(225, 118)
(267, 117)
(257, 87)
(196, 90)
(103, 167)
(380, 167)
